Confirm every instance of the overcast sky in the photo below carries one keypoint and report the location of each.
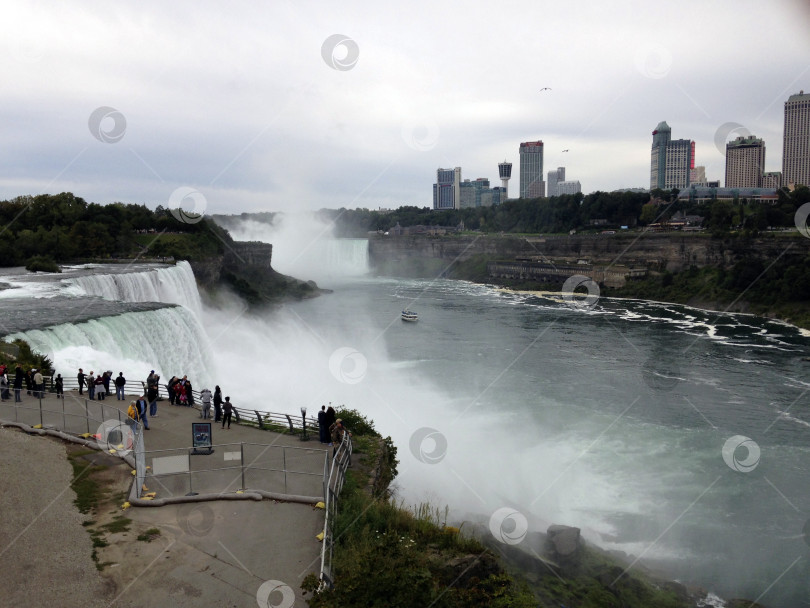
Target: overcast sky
(258, 106)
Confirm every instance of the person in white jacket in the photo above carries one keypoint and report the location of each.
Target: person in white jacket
(205, 397)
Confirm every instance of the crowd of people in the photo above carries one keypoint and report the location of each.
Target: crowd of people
(179, 389)
(31, 380)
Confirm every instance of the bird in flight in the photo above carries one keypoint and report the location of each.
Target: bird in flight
(565, 150)
(545, 89)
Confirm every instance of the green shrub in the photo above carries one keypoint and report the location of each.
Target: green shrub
(42, 263)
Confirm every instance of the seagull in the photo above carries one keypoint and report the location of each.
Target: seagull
(545, 89)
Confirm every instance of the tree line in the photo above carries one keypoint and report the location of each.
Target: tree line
(63, 227)
(595, 211)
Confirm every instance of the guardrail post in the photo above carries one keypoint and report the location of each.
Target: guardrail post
(64, 418)
(87, 415)
(259, 418)
(242, 450)
(41, 423)
(284, 464)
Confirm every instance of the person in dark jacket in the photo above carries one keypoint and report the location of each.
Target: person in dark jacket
(120, 383)
(189, 393)
(29, 381)
(227, 408)
(106, 379)
(19, 376)
(170, 389)
(331, 418)
(59, 385)
(217, 404)
(323, 429)
(80, 378)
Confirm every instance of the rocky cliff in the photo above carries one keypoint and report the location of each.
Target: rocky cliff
(673, 252)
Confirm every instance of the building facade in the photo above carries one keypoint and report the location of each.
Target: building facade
(670, 160)
(531, 170)
(447, 189)
(569, 187)
(555, 177)
(796, 142)
(745, 162)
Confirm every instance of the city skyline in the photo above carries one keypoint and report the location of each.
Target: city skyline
(340, 107)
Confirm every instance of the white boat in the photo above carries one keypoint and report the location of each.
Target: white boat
(410, 316)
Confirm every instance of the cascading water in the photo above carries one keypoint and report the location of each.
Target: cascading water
(170, 285)
(169, 340)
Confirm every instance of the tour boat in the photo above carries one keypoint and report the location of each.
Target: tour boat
(410, 316)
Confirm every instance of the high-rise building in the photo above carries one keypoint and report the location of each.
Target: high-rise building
(555, 177)
(796, 142)
(670, 160)
(447, 189)
(569, 187)
(745, 162)
(697, 176)
(772, 179)
(531, 170)
(505, 173)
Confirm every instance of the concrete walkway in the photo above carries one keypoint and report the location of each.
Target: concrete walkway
(220, 553)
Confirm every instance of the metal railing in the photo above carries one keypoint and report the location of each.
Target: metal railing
(110, 428)
(283, 471)
(334, 484)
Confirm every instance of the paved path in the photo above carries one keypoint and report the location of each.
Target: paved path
(212, 553)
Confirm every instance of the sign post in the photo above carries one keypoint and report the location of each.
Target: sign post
(201, 439)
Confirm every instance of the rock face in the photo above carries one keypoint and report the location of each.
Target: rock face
(672, 252)
(237, 257)
(564, 544)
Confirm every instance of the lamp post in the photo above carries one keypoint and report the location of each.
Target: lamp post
(304, 436)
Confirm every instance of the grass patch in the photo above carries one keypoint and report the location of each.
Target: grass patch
(118, 524)
(87, 489)
(150, 535)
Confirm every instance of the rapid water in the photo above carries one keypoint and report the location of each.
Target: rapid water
(619, 419)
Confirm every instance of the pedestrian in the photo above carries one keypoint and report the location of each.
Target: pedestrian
(189, 393)
(227, 408)
(217, 403)
(331, 417)
(323, 434)
(140, 404)
(152, 395)
(120, 382)
(205, 399)
(18, 383)
(107, 379)
(59, 384)
(170, 389)
(91, 385)
(29, 381)
(338, 431)
(39, 384)
(98, 388)
(4, 394)
(80, 378)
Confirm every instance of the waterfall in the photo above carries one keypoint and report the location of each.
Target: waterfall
(169, 340)
(171, 285)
